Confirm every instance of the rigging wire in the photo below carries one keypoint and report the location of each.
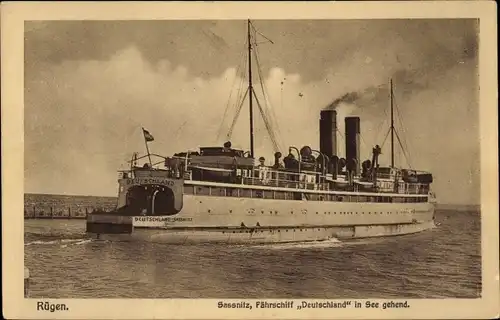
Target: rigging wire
(235, 118)
(404, 153)
(267, 124)
(385, 118)
(259, 69)
(406, 142)
(343, 140)
(238, 107)
(385, 139)
(267, 113)
(228, 105)
(363, 141)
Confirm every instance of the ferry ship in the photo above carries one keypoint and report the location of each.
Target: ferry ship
(225, 195)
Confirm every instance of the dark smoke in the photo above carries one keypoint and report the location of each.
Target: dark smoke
(367, 97)
(350, 97)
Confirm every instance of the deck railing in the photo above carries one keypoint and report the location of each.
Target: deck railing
(269, 176)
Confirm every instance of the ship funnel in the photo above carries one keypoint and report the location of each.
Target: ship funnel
(352, 131)
(328, 133)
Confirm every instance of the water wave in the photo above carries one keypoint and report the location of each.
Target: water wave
(63, 242)
(330, 243)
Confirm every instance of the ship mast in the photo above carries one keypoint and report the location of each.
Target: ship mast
(252, 94)
(250, 89)
(392, 129)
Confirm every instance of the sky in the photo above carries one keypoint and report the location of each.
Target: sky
(91, 85)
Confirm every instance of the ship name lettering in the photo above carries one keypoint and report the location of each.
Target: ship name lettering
(140, 181)
(234, 305)
(52, 307)
(324, 305)
(160, 219)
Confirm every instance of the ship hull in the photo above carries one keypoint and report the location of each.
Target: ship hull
(211, 219)
(264, 235)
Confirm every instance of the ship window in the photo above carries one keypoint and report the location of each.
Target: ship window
(231, 192)
(218, 191)
(246, 193)
(280, 195)
(203, 190)
(268, 194)
(189, 189)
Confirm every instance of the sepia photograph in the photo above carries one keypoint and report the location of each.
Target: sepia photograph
(268, 164)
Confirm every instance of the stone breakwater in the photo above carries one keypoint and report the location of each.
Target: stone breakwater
(45, 206)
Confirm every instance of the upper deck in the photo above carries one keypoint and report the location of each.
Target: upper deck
(226, 166)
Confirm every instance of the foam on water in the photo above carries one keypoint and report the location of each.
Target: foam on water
(330, 243)
(64, 242)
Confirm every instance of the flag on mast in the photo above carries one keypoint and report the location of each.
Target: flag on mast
(147, 136)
